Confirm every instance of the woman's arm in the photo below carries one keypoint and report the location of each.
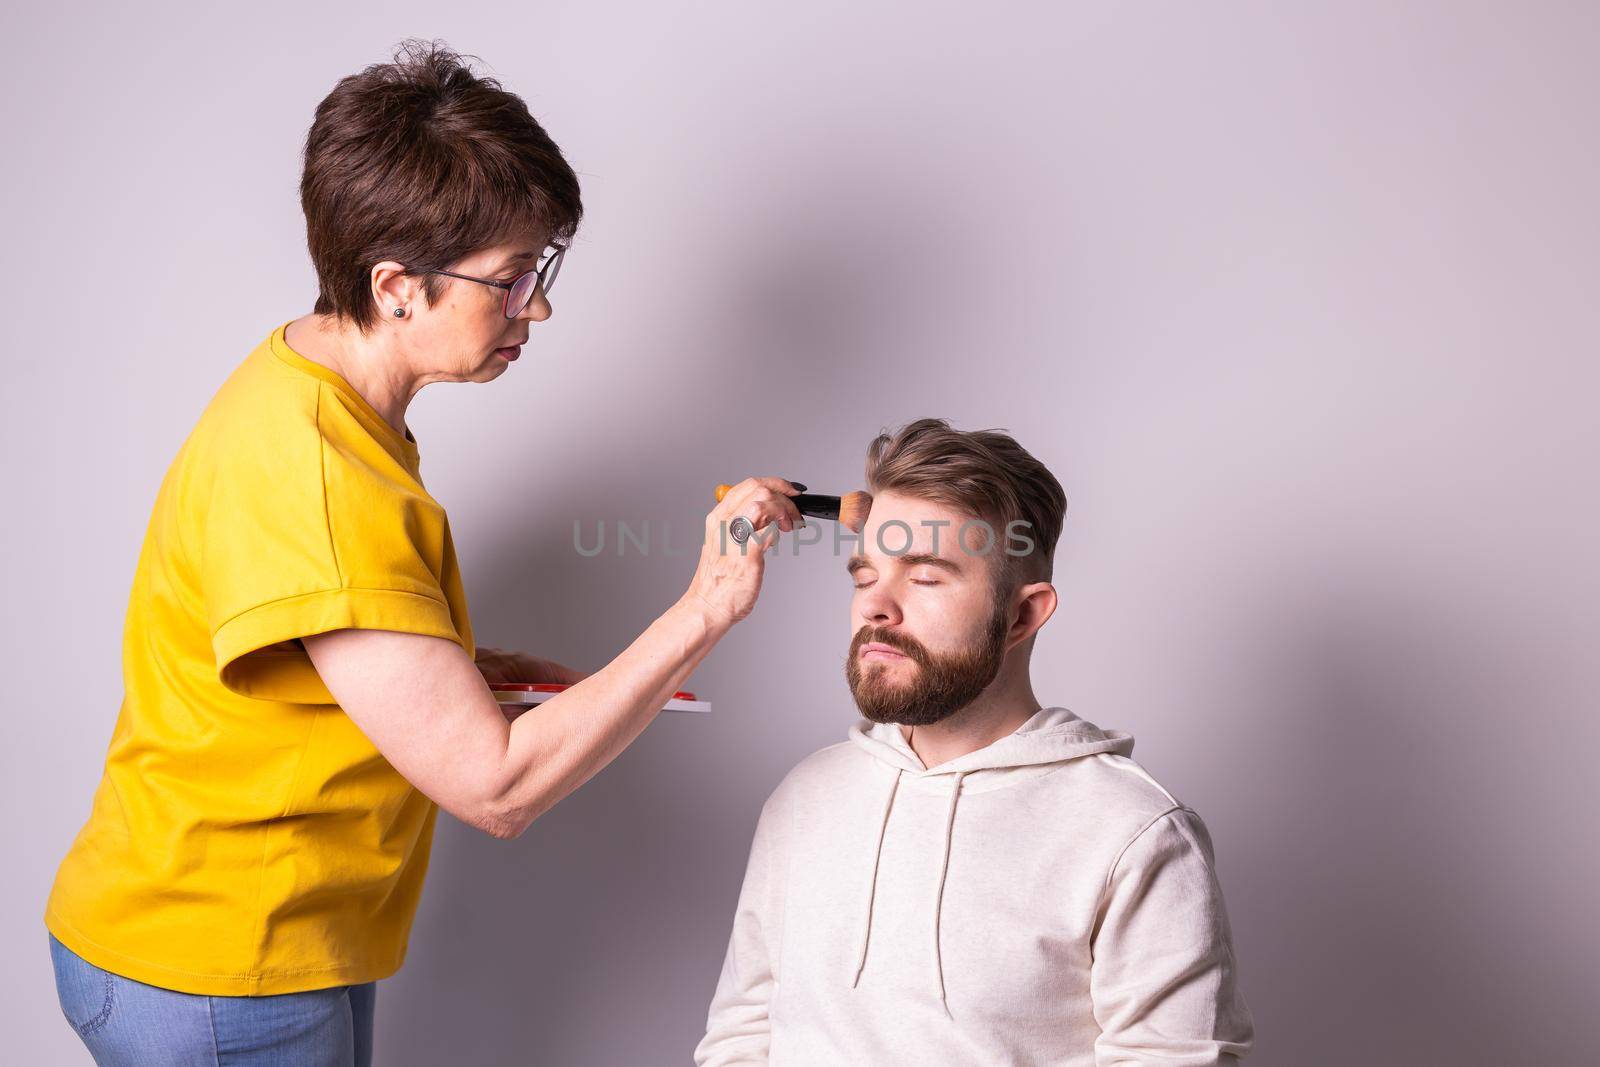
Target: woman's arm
(427, 708)
(500, 665)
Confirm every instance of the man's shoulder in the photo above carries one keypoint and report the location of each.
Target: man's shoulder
(825, 769)
(1129, 780)
(1123, 794)
(840, 757)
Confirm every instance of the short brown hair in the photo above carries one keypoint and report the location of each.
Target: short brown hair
(984, 473)
(423, 162)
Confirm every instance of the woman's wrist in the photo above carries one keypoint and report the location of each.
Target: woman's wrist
(707, 622)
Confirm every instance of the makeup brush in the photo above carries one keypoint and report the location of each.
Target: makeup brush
(849, 510)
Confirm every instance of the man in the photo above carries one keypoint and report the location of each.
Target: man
(971, 878)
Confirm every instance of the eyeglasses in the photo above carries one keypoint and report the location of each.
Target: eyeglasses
(520, 290)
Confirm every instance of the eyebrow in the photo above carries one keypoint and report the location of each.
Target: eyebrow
(909, 559)
(526, 255)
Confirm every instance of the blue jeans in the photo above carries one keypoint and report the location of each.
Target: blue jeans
(127, 1023)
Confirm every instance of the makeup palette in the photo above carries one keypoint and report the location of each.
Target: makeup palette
(527, 694)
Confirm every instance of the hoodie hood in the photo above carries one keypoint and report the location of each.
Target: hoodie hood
(1052, 736)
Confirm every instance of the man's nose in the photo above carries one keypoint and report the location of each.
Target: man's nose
(878, 606)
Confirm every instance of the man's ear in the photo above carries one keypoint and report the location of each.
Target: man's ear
(1032, 604)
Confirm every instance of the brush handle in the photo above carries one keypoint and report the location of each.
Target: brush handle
(724, 490)
(816, 505)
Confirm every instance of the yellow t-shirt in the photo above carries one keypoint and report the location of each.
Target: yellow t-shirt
(246, 838)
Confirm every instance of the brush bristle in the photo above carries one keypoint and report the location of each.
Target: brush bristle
(853, 508)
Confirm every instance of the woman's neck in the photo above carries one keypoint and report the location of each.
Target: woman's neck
(371, 365)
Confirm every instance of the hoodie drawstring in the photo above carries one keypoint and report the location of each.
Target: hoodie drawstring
(872, 885)
(938, 903)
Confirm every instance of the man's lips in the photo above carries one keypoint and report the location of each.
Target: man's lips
(874, 650)
(509, 354)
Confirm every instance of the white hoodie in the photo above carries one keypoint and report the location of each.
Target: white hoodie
(1039, 901)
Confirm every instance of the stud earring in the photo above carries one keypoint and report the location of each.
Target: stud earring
(399, 313)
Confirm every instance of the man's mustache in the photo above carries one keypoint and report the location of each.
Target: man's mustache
(895, 640)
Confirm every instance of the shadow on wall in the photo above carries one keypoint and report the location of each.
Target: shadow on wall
(597, 937)
(1384, 910)
(1384, 907)
(1366, 921)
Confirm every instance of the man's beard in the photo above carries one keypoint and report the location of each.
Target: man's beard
(944, 683)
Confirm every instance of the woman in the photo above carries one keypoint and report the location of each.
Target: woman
(302, 687)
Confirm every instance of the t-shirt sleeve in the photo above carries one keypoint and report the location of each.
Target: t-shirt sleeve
(319, 535)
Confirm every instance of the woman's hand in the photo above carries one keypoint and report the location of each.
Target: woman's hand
(728, 577)
(499, 665)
